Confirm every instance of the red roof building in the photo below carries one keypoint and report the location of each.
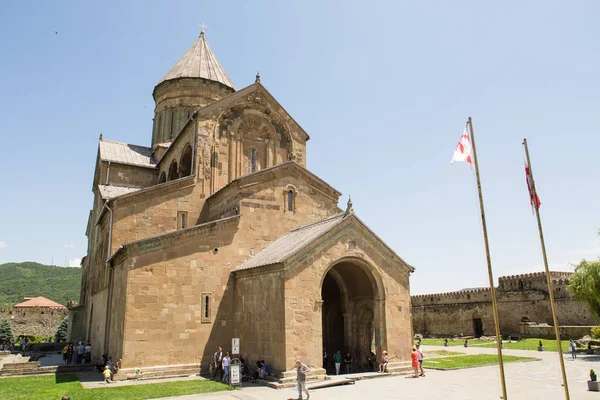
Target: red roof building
(39, 301)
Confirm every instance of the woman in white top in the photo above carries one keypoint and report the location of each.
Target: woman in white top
(226, 364)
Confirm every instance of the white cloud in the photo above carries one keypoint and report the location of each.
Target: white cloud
(69, 245)
(76, 262)
(2, 244)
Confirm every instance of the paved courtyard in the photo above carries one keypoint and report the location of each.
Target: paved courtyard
(525, 381)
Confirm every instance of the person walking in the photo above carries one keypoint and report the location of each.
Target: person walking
(348, 363)
(218, 363)
(106, 374)
(226, 364)
(301, 371)
(420, 358)
(414, 356)
(337, 360)
(573, 349)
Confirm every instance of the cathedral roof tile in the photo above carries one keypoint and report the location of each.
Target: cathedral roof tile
(39, 301)
(111, 191)
(199, 62)
(125, 153)
(292, 242)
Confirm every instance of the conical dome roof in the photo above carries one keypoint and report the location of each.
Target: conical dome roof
(199, 62)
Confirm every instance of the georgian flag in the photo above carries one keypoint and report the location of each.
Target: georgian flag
(529, 179)
(463, 150)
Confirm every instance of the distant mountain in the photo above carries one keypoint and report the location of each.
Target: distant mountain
(30, 279)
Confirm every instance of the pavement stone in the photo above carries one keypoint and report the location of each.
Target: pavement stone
(525, 381)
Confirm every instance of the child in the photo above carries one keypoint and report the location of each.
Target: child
(415, 361)
(106, 374)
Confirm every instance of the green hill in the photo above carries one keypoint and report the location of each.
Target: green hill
(30, 279)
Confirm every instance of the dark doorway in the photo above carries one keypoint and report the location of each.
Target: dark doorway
(478, 327)
(349, 315)
(333, 320)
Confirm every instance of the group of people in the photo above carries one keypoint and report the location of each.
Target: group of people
(77, 353)
(337, 361)
(221, 366)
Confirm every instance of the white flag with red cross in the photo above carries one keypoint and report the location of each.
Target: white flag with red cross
(463, 150)
(529, 179)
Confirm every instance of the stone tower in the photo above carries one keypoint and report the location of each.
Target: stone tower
(195, 81)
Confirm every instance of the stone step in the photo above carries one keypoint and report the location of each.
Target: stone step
(167, 371)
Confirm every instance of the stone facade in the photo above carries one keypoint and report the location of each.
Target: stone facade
(33, 321)
(164, 281)
(521, 299)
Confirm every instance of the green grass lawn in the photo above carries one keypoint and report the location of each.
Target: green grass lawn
(532, 344)
(526, 344)
(444, 352)
(477, 360)
(56, 386)
(440, 342)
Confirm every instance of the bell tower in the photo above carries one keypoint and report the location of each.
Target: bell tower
(195, 81)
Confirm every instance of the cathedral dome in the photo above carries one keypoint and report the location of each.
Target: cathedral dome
(195, 81)
(199, 62)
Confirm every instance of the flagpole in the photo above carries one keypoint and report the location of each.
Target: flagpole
(548, 281)
(489, 264)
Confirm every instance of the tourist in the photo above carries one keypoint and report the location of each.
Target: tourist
(446, 342)
(265, 368)
(301, 371)
(325, 358)
(348, 363)
(420, 354)
(573, 349)
(260, 371)
(65, 354)
(337, 360)
(106, 374)
(466, 343)
(384, 362)
(226, 364)
(414, 356)
(73, 353)
(87, 355)
(372, 362)
(80, 352)
(218, 363)
(541, 346)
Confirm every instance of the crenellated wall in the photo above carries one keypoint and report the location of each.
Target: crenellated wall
(520, 298)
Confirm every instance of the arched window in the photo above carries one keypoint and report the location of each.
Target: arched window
(290, 200)
(185, 167)
(253, 160)
(173, 171)
(163, 177)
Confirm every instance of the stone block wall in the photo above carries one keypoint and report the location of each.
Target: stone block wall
(520, 298)
(35, 321)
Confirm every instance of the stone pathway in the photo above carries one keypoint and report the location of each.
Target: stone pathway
(525, 381)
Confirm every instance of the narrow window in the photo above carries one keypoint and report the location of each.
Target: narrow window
(172, 120)
(206, 300)
(159, 129)
(290, 200)
(182, 219)
(252, 160)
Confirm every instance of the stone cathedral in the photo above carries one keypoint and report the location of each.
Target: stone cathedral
(218, 230)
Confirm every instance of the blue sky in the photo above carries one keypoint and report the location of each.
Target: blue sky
(383, 88)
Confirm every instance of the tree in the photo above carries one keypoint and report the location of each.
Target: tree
(584, 285)
(61, 333)
(6, 335)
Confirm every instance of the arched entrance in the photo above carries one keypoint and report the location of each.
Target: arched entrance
(350, 313)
